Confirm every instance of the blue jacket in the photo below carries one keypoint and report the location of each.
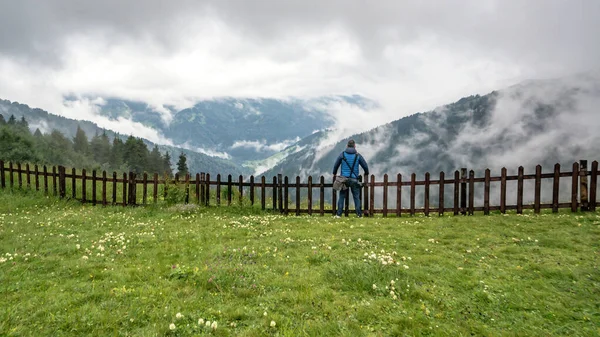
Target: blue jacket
(350, 154)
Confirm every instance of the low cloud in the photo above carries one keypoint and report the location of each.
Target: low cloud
(262, 146)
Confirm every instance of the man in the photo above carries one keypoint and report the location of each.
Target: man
(349, 160)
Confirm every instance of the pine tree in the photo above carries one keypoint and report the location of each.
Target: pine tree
(23, 123)
(166, 169)
(12, 120)
(155, 161)
(2, 120)
(136, 154)
(116, 153)
(80, 142)
(37, 133)
(100, 148)
(182, 168)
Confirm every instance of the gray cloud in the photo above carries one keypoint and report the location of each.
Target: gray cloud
(408, 56)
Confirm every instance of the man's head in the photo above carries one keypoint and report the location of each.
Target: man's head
(351, 143)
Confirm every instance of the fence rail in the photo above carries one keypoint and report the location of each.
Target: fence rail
(124, 191)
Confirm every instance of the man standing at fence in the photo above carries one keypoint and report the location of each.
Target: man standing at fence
(349, 159)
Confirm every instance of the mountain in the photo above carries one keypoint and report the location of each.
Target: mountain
(46, 122)
(534, 122)
(245, 129)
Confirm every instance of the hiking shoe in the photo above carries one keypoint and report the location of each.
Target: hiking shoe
(336, 216)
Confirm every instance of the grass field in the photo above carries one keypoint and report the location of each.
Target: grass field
(73, 270)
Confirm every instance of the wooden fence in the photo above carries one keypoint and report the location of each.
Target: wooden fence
(198, 190)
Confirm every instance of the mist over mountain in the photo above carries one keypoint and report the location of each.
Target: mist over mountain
(230, 128)
(534, 122)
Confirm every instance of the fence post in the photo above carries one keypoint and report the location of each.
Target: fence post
(274, 193)
(372, 196)
(463, 191)
(555, 187)
(125, 189)
(94, 187)
(252, 190)
(104, 188)
(263, 194)
(83, 186)
(366, 195)
(132, 189)
(441, 195)
(73, 181)
(54, 178)
(456, 191)
(385, 195)
(286, 196)
(155, 188)
(229, 190)
(2, 177)
(11, 175)
(413, 178)
(218, 189)
(503, 191)
(574, 178)
(538, 189)
(207, 189)
(333, 198)
(187, 188)
(593, 183)
(583, 185)
(19, 175)
(28, 176)
(297, 195)
(309, 195)
(471, 191)
(280, 192)
(486, 193)
(322, 196)
(62, 184)
(426, 196)
(241, 189)
(114, 188)
(520, 190)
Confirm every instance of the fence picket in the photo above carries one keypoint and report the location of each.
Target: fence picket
(441, 195)
(54, 177)
(520, 191)
(555, 188)
(538, 189)
(262, 193)
(574, 178)
(593, 184)
(413, 178)
(2, 177)
(104, 188)
(94, 187)
(114, 188)
(503, 190)
(83, 186)
(309, 195)
(252, 190)
(241, 189)
(297, 195)
(27, 176)
(385, 194)
(486, 193)
(19, 176)
(456, 191)
(322, 196)
(426, 194)
(471, 191)
(286, 199)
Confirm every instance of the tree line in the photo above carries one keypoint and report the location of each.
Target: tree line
(19, 144)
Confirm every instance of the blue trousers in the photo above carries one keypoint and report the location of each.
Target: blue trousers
(355, 188)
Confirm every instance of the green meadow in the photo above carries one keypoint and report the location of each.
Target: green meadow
(68, 269)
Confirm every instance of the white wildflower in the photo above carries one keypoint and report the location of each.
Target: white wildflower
(172, 326)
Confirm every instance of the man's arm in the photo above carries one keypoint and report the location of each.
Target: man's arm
(363, 164)
(337, 164)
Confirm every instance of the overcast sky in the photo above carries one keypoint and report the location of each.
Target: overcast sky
(409, 56)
